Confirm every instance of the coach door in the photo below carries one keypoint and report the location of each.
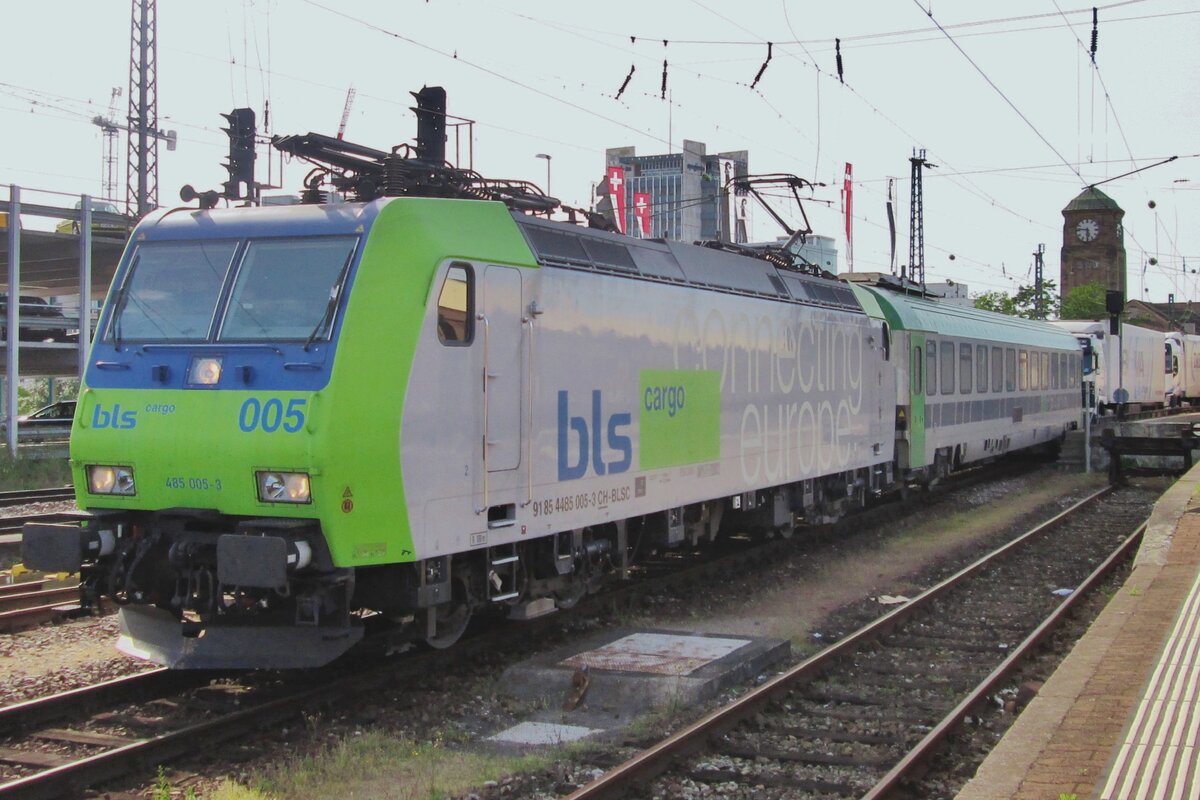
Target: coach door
(916, 400)
(499, 327)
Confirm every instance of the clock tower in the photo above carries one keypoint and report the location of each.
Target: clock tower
(1093, 249)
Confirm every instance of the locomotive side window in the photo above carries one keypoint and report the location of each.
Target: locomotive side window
(171, 291)
(947, 367)
(916, 370)
(288, 289)
(1010, 369)
(997, 370)
(931, 368)
(965, 370)
(981, 368)
(456, 306)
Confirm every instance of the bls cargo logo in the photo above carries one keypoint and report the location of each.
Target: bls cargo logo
(114, 418)
(589, 440)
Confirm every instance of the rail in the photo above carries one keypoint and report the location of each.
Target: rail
(698, 736)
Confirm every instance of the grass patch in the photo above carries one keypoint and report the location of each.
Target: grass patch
(376, 765)
(32, 473)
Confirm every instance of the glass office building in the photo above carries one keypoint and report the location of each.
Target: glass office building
(687, 198)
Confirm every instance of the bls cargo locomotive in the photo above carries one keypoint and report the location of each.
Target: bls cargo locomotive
(300, 422)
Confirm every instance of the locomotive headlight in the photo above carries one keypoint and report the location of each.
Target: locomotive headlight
(283, 487)
(204, 371)
(105, 479)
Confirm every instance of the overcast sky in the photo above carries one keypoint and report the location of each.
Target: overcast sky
(1003, 97)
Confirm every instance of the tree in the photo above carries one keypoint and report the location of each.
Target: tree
(1085, 302)
(1025, 300)
(998, 302)
(1021, 304)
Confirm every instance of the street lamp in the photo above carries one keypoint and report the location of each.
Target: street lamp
(547, 157)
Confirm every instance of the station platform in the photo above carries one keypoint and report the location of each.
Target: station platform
(1120, 717)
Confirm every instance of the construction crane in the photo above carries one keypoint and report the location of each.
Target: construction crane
(346, 111)
(108, 162)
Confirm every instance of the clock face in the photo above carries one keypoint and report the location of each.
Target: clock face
(1087, 230)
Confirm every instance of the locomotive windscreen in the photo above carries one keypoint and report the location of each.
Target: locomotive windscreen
(280, 289)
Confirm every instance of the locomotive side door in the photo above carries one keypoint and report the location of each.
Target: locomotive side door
(499, 322)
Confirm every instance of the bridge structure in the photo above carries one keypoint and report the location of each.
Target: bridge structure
(59, 246)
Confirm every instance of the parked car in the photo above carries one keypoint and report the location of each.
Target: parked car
(103, 228)
(42, 330)
(47, 423)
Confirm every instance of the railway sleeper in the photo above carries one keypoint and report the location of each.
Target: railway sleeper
(32, 758)
(856, 737)
(947, 643)
(773, 780)
(755, 751)
(909, 703)
(882, 680)
(946, 667)
(868, 714)
(887, 692)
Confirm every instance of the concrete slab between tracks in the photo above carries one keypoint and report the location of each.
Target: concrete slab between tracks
(609, 681)
(1119, 717)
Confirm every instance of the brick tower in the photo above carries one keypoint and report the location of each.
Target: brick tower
(1093, 247)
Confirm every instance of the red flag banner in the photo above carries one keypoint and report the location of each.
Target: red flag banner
(641, 211)
(616, 193)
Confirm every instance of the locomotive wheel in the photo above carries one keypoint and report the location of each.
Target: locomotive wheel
(452, 617)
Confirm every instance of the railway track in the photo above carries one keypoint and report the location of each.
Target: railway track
(56, 745)
(24, 605)
(26, 496)
(861, 717)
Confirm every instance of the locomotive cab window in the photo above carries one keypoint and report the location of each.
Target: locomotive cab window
(288, 289)
(456, 307)
(170, 292)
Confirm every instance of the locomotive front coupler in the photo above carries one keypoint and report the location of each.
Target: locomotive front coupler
(67, 546)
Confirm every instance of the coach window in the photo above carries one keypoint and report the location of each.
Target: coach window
(931, 384)
(981, 368)
(997, 369)
(456, 307)
(1022, 370)
(1054, 370)
(1044, 383)
(916, 370)
(1010, 369)
(966, 369)
(947, 368)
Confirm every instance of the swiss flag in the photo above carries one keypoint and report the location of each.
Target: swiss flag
(641, 212)
(616, 193)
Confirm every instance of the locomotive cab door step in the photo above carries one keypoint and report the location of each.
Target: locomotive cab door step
(504, 570)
